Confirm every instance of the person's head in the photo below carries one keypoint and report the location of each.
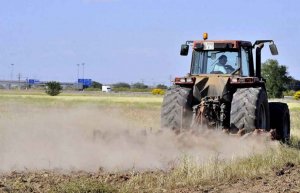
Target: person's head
(223, 59)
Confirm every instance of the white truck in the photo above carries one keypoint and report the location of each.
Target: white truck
(106, 89)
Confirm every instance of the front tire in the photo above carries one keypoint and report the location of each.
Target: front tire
(176, 111)
(250, 110)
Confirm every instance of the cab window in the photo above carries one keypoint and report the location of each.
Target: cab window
(245, 62)
(214, 62)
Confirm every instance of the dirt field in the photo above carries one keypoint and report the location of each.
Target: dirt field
(93, 143)
(285, 179)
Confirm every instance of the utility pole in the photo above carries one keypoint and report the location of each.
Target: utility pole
(83, 70)
(19, 78)
(11, 75)
(171, 79)
(27, 83)
(78, 76)
(83, 75)
(12, 72)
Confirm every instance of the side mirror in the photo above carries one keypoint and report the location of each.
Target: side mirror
(273, 48)
(184, 50)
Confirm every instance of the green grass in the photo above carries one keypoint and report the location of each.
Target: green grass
(76, 100)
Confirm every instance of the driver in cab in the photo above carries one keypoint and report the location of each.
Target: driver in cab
(221, 66)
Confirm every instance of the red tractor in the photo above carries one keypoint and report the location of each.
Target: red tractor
(224, 90)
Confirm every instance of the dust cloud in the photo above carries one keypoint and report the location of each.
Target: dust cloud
(89, 138)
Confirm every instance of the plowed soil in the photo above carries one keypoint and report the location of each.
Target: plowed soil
(286, 179)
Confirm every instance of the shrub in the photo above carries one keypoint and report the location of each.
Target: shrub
(297, 95)
(131, 89)
(289, 93)
(53, 88)
(121, 85)
(158, 91)
(161, 86)
(96, 85)
(139, 85)
(120, 89)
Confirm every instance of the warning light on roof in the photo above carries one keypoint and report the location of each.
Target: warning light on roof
(205, 36)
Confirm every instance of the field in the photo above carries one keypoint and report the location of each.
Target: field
(112, 143)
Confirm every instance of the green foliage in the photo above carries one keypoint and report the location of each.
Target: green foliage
(161, 86)
(122, 89)
(158, 91)
(277, 78)
(121, 85)
(125, 87)
(289, 93)
(294, 84)
(53, 88)
(96, 85)
(139, 85)
(92, 89)
(297, 95)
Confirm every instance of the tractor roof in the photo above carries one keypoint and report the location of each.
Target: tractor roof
(232, 43)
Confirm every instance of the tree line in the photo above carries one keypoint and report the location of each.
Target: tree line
(278, 82)
(137, 85)
(54, 88)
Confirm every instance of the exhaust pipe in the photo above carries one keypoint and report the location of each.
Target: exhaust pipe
(258, 59)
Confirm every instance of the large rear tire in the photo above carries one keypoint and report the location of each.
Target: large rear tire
(280, 120)
(176, 111)
(250, 110)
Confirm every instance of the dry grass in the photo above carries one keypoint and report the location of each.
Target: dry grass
(295, 122)
(191, 174)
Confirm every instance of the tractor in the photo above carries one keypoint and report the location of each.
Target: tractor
(224, 90)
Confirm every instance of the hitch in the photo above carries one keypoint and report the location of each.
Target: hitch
(210, 112)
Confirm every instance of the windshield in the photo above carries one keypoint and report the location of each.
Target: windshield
(214, 62)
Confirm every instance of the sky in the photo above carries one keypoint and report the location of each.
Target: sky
(134, 40)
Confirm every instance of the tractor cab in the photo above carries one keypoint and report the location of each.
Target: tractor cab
(227, 57)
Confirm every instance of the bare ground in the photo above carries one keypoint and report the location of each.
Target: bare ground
(285, 179)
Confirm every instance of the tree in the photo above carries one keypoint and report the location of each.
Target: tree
(161, 86)
(294, 84)
(139, 85)
(96, 85)
(121, 85)
(277, 79)
(53, 88)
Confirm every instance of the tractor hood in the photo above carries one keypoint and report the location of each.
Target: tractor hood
(211, 85)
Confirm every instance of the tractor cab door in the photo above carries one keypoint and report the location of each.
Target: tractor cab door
(246, 66)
